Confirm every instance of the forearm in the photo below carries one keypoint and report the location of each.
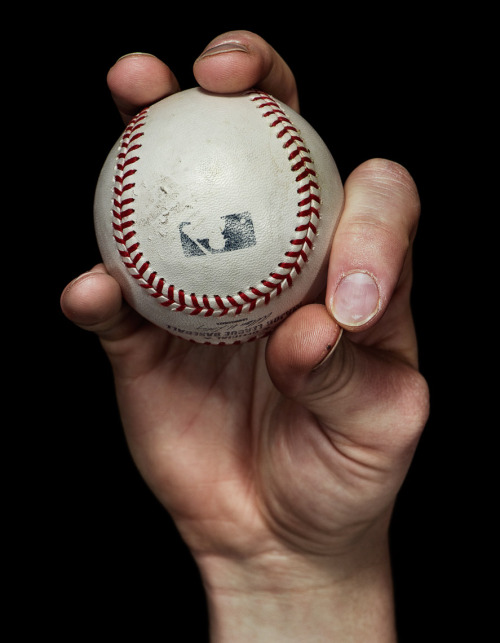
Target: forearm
(245, 608)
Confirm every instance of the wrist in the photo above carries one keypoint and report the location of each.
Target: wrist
(290, 597)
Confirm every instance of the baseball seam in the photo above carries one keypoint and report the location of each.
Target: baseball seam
(168, 295)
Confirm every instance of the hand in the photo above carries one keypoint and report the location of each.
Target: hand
(279, 460)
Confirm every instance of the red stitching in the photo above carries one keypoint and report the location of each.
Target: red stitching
(168, 295)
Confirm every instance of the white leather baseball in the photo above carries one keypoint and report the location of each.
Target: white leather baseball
(216, 214)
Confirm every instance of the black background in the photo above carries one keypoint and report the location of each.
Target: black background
(92, 550)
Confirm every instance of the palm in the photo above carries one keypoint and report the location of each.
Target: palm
(234, 461)
(193, 424)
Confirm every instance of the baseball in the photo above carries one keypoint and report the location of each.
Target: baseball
(216, 214)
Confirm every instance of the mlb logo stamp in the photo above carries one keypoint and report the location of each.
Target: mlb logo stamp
(225, 234)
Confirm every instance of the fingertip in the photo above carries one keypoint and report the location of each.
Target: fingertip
(92, 298)
(139, 79)
(231, 63)
(356, 300)
(301, 344)
(239, 60)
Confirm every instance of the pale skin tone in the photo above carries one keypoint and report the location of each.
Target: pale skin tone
(279, 460)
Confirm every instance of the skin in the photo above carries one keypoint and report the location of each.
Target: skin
(279, 460)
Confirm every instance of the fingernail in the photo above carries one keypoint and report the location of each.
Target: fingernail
(136, 53)
(356, 300)
(330, 350)
(223, 48)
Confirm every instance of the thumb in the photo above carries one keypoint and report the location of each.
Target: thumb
(299, 347)
(358, 394)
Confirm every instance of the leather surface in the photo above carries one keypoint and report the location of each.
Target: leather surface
(209, 206)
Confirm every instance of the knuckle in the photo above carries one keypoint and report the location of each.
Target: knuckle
(384, 195)
(413, 405)
(392, 180)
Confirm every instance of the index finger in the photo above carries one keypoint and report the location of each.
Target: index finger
(239, 60)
